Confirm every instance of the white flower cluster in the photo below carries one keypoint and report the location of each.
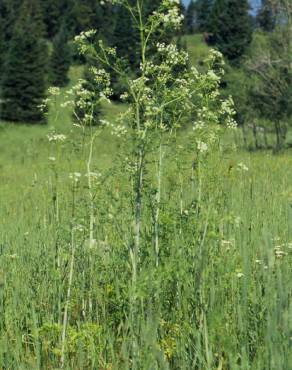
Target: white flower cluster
(85, 97)
(84, 36)
(75, 176)
(114, 2)
(93, 176)
(54, 91)
(169, 14)
(242, 167)
(201, 146)
(118, 130)
(54, 137)
(227, 110)
(111, 51)
(83, 39)
(172, 56)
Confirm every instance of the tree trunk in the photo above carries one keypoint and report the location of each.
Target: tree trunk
(278, 135)
(254, 131)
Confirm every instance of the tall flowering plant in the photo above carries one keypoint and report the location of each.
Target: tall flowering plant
(165, 96)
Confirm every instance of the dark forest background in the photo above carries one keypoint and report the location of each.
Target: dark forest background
(37, 50)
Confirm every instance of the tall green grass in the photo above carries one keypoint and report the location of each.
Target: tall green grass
(218, 298)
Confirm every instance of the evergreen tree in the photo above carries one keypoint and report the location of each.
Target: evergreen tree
(231, 27)
(107, 23)
(54, 13)
(266, 17)
(8, 14)
(126, 37)
(190, 18)
(60, 59)
(202, 10)
(149, 6)
(3, 41)
(24, 78)
(86, 15)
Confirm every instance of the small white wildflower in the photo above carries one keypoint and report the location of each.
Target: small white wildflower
(201, 146)
(68, 103)
(93, 175)
(53, 137)
(79, 228)
(241, 166)
(12, 256)
(54, 91)
(226, 242)
(91, 243)
(75, 176)
(279, 253)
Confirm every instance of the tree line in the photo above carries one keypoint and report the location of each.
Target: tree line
(258, 52)
(37, 50)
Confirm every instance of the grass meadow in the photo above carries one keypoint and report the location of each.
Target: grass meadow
(219, 297)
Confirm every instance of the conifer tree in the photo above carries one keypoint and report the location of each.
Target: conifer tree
(107, 23)
(8, 14)
(60, 59)
(231, 28)
(86, 15)
(3, 43)
(52, 11)
(202, 9)
(126, 37)
(266, 17)
(190, 18)
(24, 78)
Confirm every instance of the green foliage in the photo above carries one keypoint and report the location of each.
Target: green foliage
(266, 17)
(60, 59)
(221, 267)
(203, 9)
(55, 13)
(3, 35)
(24, 78)
(126, 38)
(148, 241)
(197, 48)
(238, 84)
(87, 104)
(272, 88)
(190, 18)
(230, 27)
(271, 92)
(85, 15)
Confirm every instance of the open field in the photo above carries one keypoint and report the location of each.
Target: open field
(215, 295)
